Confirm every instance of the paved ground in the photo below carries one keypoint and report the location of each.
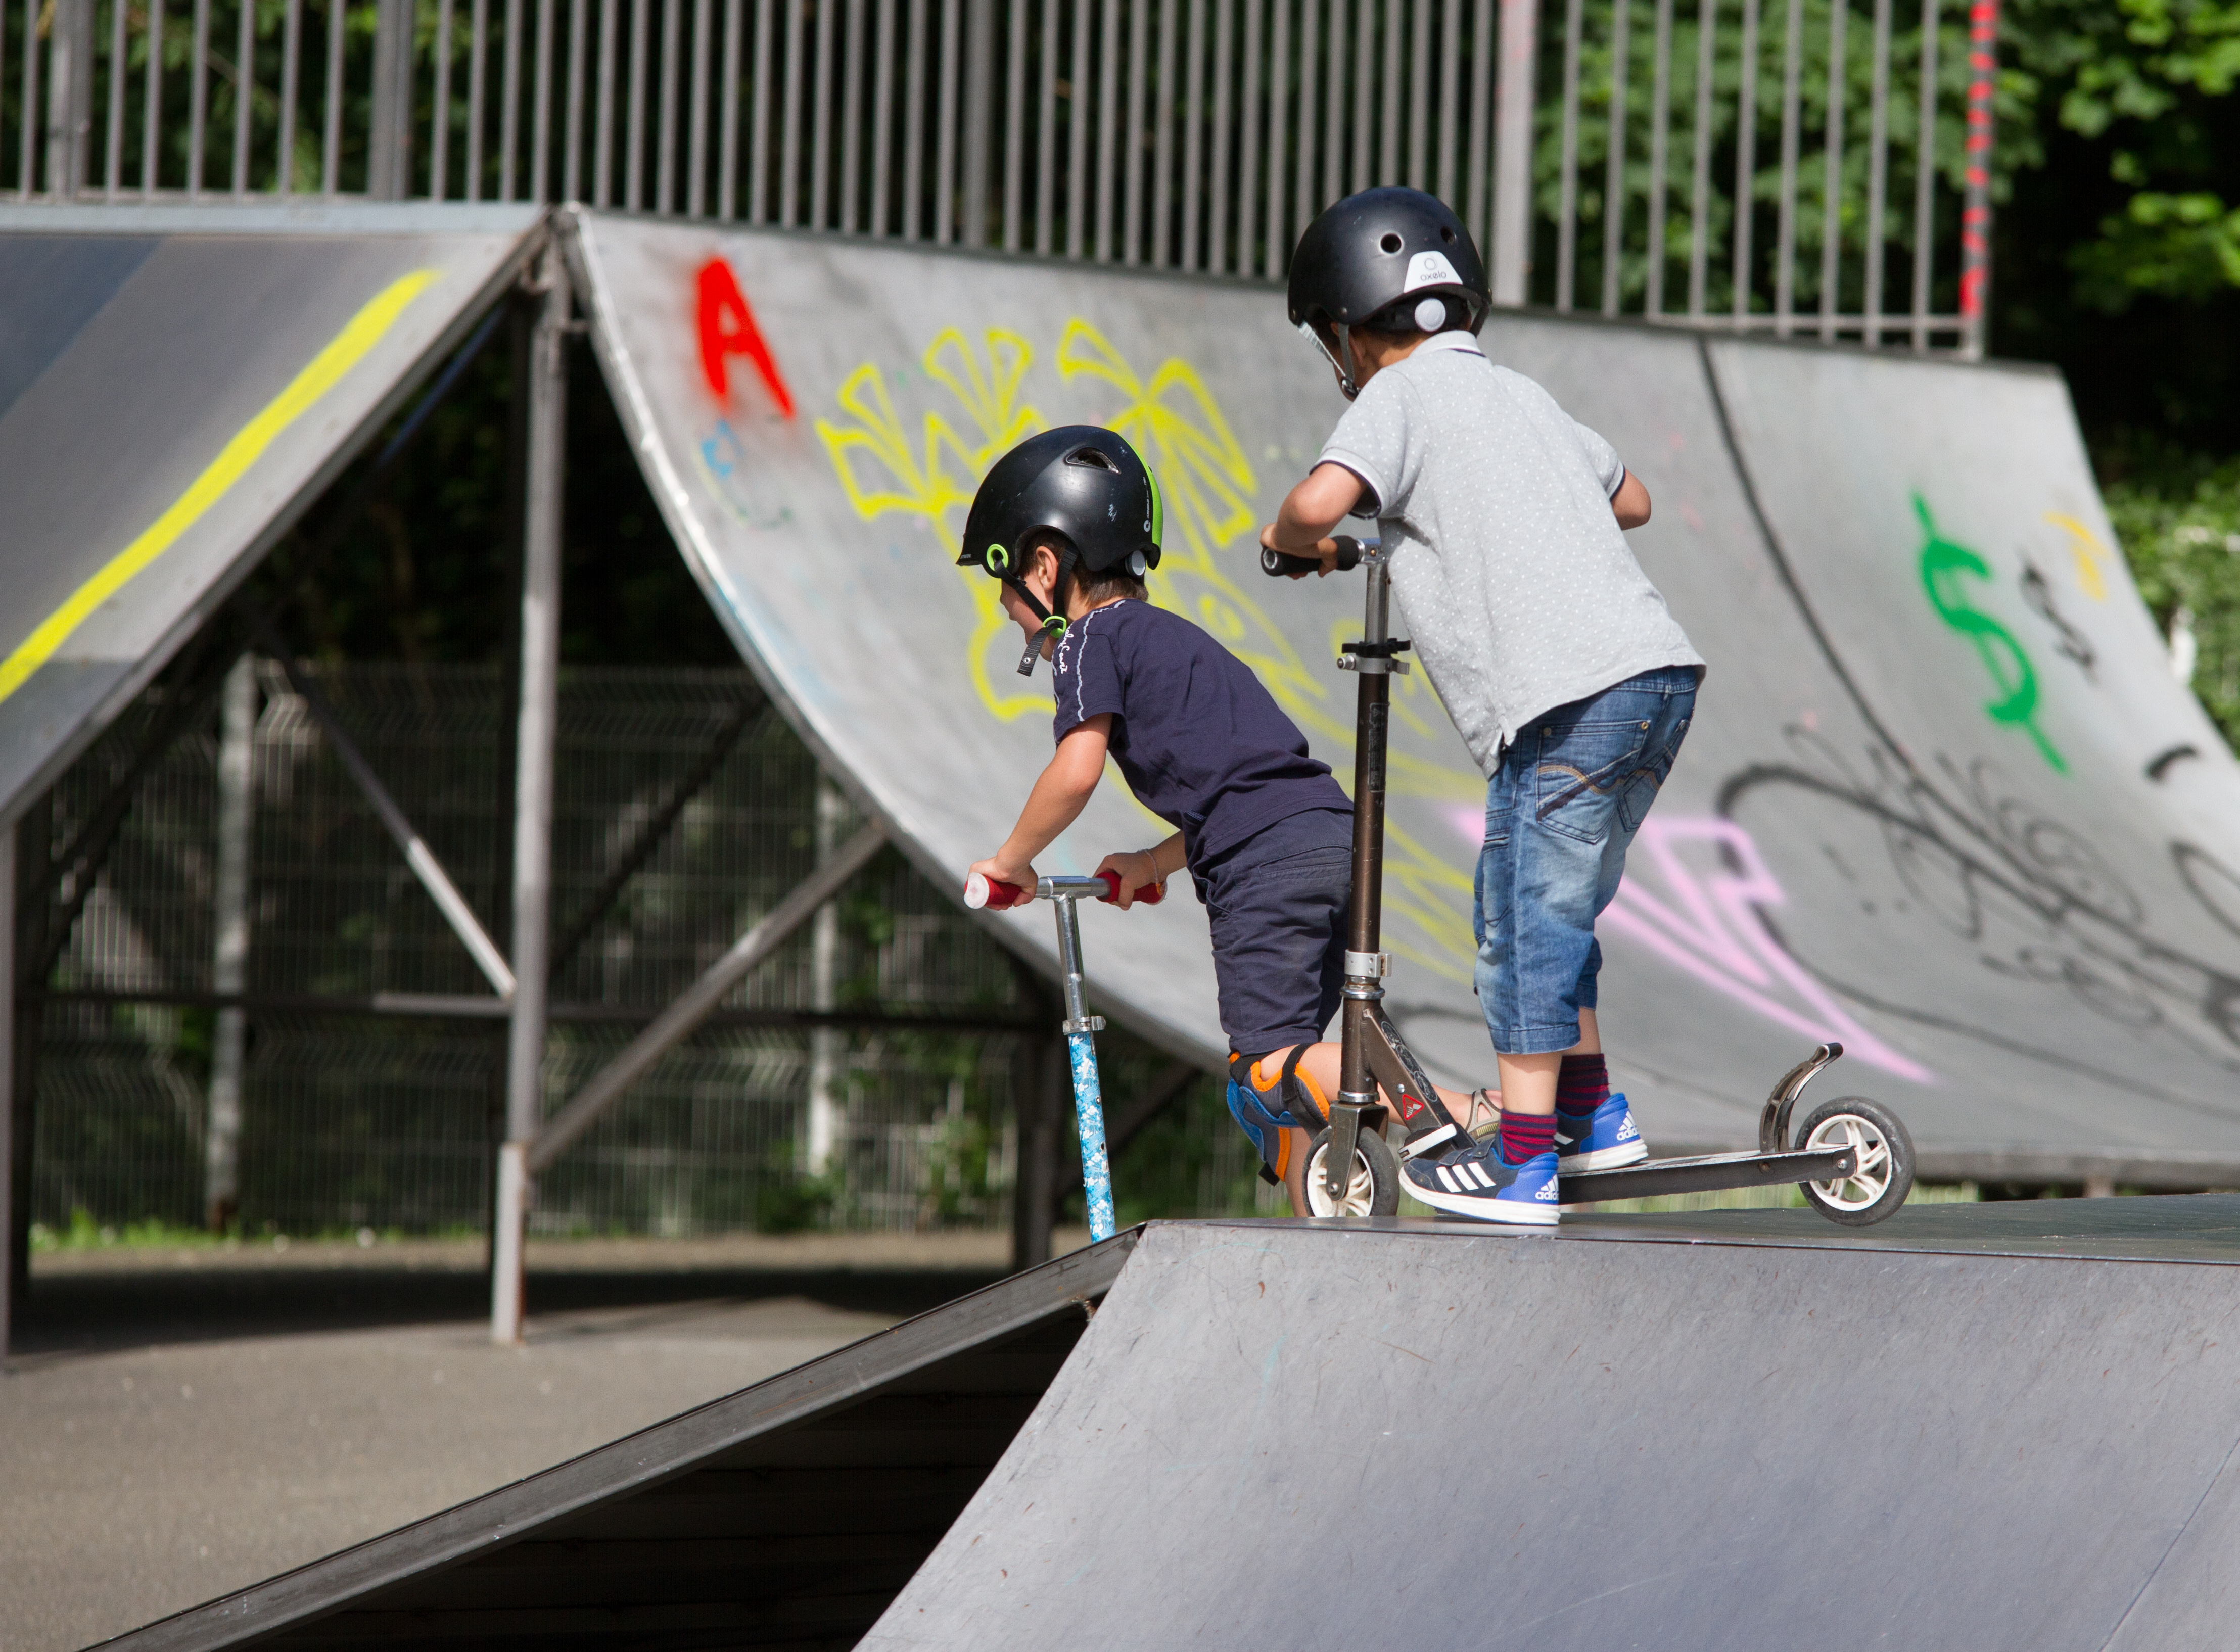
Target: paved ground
(177, 1424)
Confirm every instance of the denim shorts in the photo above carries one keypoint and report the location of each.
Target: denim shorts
(1560, 812)
(1276, 904)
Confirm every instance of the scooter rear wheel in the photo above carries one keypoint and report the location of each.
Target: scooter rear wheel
(1374, 1189)
(1883, 1152)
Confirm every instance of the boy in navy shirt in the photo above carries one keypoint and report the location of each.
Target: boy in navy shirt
(1069, 521)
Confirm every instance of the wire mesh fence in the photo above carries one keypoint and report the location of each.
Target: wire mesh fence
(685, 807)
(1729, 163)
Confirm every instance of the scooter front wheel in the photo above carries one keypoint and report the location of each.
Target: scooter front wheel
(1372, 1190)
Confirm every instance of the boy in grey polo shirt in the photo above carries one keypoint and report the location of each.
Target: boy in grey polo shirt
(1570, 680)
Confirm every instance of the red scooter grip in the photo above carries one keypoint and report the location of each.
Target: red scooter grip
(983, 891)
(1149, 895)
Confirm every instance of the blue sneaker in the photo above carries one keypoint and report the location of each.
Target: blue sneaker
(1605, 1140)
(1474, 1182)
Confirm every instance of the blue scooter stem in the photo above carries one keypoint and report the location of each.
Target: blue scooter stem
(1079, 1026)
(1088, 1117)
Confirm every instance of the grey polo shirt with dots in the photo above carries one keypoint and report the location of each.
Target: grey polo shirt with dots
(1513, 577)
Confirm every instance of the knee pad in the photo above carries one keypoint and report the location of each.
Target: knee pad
(1290, 1101)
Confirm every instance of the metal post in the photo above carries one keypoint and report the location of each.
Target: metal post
(1784, 251)
(532, 817)
(10, 1210)
(1614, 171)
(237, 801)
(388, 151)
(33, 872)
(69, 96)
(1831, 175)
(1925, 175)
(1975, 211)
(1745, 158)
(1660, 138)
(825, 1043)
(979, 116)
(1038, 1074)
(1566, 211)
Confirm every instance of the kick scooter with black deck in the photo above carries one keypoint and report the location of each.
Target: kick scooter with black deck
(1853, 1157)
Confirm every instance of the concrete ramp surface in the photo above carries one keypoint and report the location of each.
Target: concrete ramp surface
(1272, 1436)
(2007, 1425)
(175, 383)
(1943, 802)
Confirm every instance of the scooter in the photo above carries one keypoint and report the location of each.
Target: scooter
(1853, 1157)
(1079, 1026)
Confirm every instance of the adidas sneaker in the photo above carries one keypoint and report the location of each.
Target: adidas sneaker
(1474, 1181)
(1605, 1139)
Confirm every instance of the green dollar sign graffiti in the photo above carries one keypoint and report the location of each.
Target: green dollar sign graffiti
(1943, 563)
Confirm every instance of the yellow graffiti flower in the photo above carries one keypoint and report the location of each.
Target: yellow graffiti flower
(988, 389)
(1175, 422)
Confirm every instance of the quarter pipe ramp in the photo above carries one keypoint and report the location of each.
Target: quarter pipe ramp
(1943, 801)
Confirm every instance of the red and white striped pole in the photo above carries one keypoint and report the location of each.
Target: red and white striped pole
(1975, 211)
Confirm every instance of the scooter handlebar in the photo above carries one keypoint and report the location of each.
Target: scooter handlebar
(983, 891)
(1275, 563)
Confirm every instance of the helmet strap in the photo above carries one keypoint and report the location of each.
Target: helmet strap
(1346, 385)
(1052, 624)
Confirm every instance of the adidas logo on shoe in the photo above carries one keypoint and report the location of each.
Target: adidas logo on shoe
(1626, 1132)
(1547, 1193)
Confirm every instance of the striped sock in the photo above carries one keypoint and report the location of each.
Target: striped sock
(1525, 1136)
(1583, 1085)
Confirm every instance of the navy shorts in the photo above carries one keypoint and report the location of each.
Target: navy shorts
(1276, 904)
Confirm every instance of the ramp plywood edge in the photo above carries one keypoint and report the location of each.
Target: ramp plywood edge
(708, 1519)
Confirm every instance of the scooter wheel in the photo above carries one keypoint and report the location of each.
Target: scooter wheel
(1884, 1153)
(1374, 1189)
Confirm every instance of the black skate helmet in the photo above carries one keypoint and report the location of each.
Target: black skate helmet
(1085, 485)
(1397, 259)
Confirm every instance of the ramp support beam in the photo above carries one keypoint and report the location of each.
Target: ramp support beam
(700, 999)
(417, 855)
(12, 1213)
(532, 796)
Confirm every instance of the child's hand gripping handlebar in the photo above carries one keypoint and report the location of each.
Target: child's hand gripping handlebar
(981, 891)
(1276, 564)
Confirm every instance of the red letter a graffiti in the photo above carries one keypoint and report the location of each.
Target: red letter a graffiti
(727, 328)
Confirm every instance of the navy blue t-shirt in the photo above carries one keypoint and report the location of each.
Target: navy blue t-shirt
(1203, 744)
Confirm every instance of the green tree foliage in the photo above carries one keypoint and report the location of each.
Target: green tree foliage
(2179, 521)
(2148, 84)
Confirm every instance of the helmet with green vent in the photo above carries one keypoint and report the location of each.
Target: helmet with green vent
(1082, 483)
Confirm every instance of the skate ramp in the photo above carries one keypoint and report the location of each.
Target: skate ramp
(175, 385)
(1273, 1435)
(2033, 964)
(786, 1514)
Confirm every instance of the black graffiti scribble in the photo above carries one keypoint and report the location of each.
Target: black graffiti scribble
(2159, 764)
(2068, 642)
(1985, 865)
(2041, 905)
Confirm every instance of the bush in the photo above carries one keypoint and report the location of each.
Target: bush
(2178, 518)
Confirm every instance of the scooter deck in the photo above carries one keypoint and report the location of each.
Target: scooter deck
(1655, 1177)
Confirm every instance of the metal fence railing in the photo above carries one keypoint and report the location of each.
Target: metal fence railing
(347, 1118)
(1813, 167)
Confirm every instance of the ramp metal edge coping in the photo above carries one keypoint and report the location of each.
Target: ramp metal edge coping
(640, 1461)
(2083, 1247)
(299, 217)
